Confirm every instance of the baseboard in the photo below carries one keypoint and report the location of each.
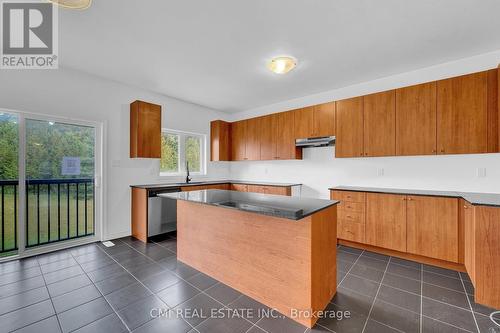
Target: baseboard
(116, 235)
(407, 256)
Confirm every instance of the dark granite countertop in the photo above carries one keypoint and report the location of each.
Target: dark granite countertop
(293, 208)
(212, 182)
(476, 199)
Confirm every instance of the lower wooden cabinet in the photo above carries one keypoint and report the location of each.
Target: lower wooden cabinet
(386, 221)
(239, 187)
(277, 190)
(432, 227)
(350, 215)
(469, 241)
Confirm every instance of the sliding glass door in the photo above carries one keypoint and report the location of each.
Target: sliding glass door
(56, 162)
(9, 182)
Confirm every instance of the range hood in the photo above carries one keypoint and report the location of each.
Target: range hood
(315, 142)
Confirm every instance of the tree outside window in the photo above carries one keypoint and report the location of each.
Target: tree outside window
(178, 148)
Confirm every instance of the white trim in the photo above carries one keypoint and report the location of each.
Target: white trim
(181, 153)
(99, 191)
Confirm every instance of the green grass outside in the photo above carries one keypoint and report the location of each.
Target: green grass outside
(45, 232)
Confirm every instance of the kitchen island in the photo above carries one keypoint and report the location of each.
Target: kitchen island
(279, 250)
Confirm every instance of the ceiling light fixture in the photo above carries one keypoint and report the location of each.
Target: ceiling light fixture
(72, 4)
(282, 65)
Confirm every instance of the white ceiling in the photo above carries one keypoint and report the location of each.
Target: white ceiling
(213, 53)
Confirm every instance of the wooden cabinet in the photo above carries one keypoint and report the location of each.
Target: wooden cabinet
(386, 221)
(462, 114)
(324, 120)
(277, 139)
(432, 227)
(416, 120)
(220, 147)
(303, 122)
(253, 139)
(493, 110)
(285, 139)
(238, 140)
(239, 187)
(145, 130)
(351, 215)
(264, 189)
(205, 187)
(380, 124)
(269, 137)
(469, 244)
(315, 121)
(349, 128)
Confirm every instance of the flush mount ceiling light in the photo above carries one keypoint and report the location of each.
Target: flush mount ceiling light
(72, 4)
(282, 65)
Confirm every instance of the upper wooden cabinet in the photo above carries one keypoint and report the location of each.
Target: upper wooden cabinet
(432, 227)
(380, 124)
(324, 119)
(303, 122)
(493, 110)
(238, 140)
(315, 121)
(269, 137)
(253, 139)
(386, 221)
(220, 147)
(462, 114)
(349, 128)
(145, 130)
(285, 139)
(416, 120)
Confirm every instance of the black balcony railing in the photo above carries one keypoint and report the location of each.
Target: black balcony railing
(56, 210)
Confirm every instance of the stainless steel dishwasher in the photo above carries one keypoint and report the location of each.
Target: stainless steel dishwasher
(162, 212)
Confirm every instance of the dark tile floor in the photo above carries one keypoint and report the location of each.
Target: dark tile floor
(97, 289)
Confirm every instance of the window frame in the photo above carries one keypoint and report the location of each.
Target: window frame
(182, 153)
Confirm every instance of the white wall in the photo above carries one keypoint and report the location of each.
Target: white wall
(319, 169)
(68, 93)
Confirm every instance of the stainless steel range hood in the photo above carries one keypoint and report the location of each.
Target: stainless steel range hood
(315, 142)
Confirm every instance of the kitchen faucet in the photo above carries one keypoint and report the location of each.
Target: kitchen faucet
(188, 179)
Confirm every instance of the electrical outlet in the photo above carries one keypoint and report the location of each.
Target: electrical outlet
(481, 172)
(380, 172)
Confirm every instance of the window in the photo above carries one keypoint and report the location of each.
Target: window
(179, 148)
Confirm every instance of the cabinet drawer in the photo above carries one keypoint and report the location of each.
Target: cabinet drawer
(348, 196)
(351, 231)
(356, 217)
(353, 206)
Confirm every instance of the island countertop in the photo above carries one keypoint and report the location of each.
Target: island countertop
(293, 208)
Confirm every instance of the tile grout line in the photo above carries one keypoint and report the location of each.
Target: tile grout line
(376, 295)
(470, 305)
(50, 297)
(350, 268)
(93, 284)
(203, 292)
(421, 295)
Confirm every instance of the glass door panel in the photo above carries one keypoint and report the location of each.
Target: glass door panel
(9, 183)
(60, 169)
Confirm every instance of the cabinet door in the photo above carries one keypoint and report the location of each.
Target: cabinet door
(219, 141)
(432, 227)
(268, 138)
(380, 124)
(324, 119)
(253, 139)
(469, 244)
(386, 221)
(239, 187)
(303, 122)
(238, 140)
(462, 109)
(349, 127)
(416, 120)
(145, 130)
(285, 142)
